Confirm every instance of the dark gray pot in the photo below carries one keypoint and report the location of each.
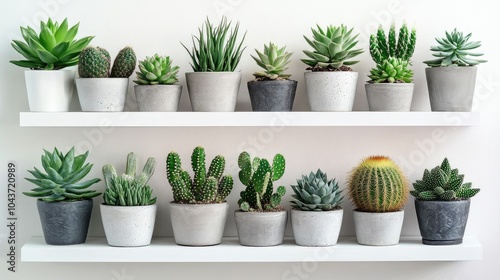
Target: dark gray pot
(65, 223)
(272, 95)
(442, 222)
(451, 88)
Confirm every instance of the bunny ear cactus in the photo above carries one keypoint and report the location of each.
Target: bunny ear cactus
(378, 185)
(258, 176)
(205, 186)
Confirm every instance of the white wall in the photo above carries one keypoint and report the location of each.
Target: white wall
(154, 26)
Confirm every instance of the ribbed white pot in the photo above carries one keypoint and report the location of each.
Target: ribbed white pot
(213, 91)
(157, 98)
(50, 90)
(378, 229)
(128, 226)
(316, 228)
(102, 94)
(260, 229)
(331, 91)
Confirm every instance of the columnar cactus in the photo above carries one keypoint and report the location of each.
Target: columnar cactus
(95, 62)
(205, 187)
(258, 177)
(378, 185)
(124, 64)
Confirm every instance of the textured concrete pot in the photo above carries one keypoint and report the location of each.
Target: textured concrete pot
(442, 222)
(102, 94)
(393, 97)
(198, 224)
(213, 91)
(272, 95)
(331, 91)
(260, 229)
(50, 90)
(316, 228)
(65, 223)
(157, 98)
(128, 226)
(378, 229)
(451, 88)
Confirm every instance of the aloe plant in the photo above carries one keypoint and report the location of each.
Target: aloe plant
(54, 48)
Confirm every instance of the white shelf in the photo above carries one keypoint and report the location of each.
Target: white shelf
(165, 250)
(238, 119)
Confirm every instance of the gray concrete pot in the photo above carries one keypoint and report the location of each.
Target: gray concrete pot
(272, 95)
(50, 90)
(451, 88)
(316, 228)
(331, 91)
(213, 91)
(378, 229)
(157, 98)
(102, 94)
(128, 226)
(260, 229)
(392, 97)
(442, 222)
(198, 224)
(65, 223)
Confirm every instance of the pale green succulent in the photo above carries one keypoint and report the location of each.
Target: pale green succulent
(316, 193)
(274, 60)
(392, 70)
(157, 70)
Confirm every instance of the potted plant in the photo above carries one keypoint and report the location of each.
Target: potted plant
(331, 83)
(272, 90)
(214, 86)
(156, 89)
(379, 191)
(64, 203)
(49, 84)
(451, 78)
(316, 215)
(100, 86)
(442, 203)
(391, 81)
(129, 210)
(199, 209)
(260, 220)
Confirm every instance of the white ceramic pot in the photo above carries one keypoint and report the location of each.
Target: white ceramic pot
(260, 229)
(316, 228)
(378, 229)
(128, 226)
(198, 224)
(331, 91)
(50, 90)
(393, 97)
(157, 98)
(102, 94)
(213, 91)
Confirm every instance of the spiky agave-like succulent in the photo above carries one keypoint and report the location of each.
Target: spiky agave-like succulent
(314, 192)
(392, 70)
(274, 61)
(333, 48)
(455, 50)
(61, 180)
(442, 183)
(157, 70)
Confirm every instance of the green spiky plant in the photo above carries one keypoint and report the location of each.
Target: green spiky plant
(274, 61)
(455, 50)
(157, 70)
(216, 48)
(95, 62)
(442, 183)
(206, 186)
(54, 48)
(61, 180)
(314, 192)
(378, 185)
(392, 55)
(333, 49)
(258, 177)
(129, 189)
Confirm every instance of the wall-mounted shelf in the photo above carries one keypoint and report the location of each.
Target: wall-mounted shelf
(238, 119)
(165, 250)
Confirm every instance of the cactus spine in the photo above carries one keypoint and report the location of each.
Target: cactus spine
(378, 185)
(205, 187)
(258, 177)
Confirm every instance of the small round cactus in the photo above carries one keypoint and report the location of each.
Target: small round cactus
(378, 185)
(94, 62)
(124, 64)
